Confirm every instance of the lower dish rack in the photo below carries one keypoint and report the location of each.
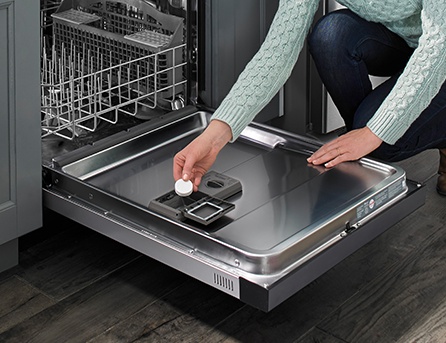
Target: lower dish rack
(104, 58)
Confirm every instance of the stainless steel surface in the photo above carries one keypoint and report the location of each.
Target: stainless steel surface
(262, 291)
(287, 209)
(147, 241)
(170, 139)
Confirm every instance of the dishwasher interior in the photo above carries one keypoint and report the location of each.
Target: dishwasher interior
(120, 97)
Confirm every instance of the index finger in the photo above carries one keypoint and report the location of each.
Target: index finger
(320, 152)
(178, 164)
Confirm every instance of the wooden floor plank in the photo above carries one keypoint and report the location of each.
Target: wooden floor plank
(140, 325)
(431, 329)
(19, 301)
(394, 302)
(202, 308)
(100, 306)
(318, 336)
(53, 225)
(422, 167)
(435, 203)
(80, 257)
(194, 308)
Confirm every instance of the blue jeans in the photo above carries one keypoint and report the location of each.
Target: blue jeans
(346, 49)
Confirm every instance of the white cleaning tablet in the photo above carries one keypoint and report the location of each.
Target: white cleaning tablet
(184, 188)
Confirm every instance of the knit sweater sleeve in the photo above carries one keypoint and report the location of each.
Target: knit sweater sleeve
(269, 69)
(421, 80)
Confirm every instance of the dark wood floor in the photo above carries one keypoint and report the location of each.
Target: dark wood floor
(74, 285)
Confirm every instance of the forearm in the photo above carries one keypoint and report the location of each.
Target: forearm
(218, 134)
(269, 69)
(421, 80)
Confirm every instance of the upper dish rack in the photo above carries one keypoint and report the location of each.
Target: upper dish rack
(109, 57)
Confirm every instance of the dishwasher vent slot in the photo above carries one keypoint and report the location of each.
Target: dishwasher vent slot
(223, 282)
(105, 58)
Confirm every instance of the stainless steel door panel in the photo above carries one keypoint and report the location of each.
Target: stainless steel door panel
(264, 291)
(286, 216)
(287, 208)
(276, 226)
(268, 176)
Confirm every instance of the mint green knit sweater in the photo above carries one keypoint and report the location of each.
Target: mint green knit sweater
(422, 23)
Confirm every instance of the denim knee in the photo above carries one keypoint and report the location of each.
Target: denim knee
(329, 33)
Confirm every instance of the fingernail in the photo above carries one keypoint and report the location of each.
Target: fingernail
(185, 177)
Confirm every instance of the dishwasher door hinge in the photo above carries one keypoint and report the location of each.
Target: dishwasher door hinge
(350, 228)
(47, 181)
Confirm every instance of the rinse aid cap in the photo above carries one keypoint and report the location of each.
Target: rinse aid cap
(184, 188)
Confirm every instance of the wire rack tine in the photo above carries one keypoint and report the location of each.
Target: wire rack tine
(88, 76)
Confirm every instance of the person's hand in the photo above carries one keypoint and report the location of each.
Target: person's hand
(349, 147)
(194, 161)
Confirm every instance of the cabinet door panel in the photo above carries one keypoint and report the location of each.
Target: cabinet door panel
(8, 210)
(27, 114)
(20, 153)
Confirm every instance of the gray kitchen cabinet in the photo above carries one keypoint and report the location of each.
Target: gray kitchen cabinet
(20, 149)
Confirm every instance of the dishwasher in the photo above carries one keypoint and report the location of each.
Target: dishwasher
(120, 96)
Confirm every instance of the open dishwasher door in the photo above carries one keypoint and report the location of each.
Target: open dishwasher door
(290, 223)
